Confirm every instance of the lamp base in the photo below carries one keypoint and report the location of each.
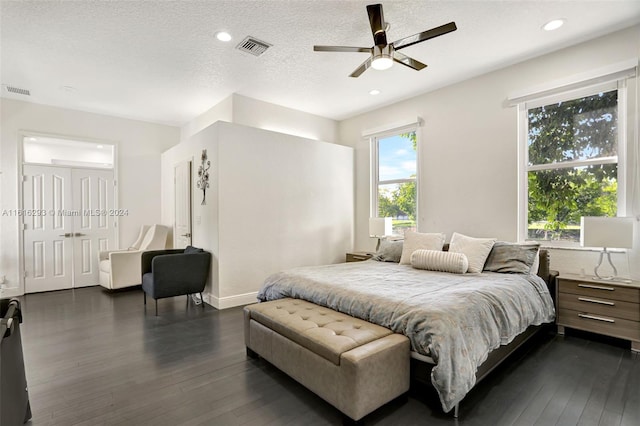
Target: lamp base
(615, 271)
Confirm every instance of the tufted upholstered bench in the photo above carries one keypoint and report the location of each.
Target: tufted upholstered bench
(354, 365)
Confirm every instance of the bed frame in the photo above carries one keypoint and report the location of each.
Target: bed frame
(421, 370)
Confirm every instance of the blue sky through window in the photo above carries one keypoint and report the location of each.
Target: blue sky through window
(397, 158)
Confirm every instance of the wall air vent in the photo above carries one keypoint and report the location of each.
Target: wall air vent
(18, 91)
(253, 46)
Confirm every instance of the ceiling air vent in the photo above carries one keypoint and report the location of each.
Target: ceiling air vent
(18, 91)
(253, 46)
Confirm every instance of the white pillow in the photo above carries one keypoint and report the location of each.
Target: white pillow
(443, 261)
(416, 241)
(476, 249)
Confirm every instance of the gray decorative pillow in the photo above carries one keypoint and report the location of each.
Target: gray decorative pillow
(191, 249)
(511, 258)
(389, 251)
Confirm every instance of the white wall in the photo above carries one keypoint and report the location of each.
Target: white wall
(284, 201)
(276, 201)
(468, 171)
(222, 111)
(139, 146)
(204, 233)
(264, 115)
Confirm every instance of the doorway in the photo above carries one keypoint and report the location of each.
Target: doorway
(182, 201)
(69, 214)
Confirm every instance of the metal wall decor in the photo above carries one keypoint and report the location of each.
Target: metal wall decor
(203, 176)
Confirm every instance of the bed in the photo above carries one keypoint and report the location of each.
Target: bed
(462, 324)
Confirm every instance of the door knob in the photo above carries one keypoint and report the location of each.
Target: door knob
(188, 235)
(78, 234)
(66, 235)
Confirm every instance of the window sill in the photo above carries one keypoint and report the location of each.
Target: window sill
(577, 248)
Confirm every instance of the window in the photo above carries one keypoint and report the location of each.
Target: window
(573, 146)
(394, 172)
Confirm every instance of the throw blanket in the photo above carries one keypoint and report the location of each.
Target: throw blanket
(456, 319)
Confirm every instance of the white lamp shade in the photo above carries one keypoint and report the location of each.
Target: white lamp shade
(609, 232)
(380, 226)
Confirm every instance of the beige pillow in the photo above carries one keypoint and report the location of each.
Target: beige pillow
(419, 241)
(437, 260)
(476, 249)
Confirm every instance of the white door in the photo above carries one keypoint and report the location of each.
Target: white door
(94, 228)
(48, 244)
(69, 218)
(182, 200)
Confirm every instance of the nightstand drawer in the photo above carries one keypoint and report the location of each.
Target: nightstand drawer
(600, 306)
(602, 324)
(600, 290)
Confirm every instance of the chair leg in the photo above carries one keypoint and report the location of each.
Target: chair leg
(156, 307)
(188, 300)
(202, 301)
(145, 297)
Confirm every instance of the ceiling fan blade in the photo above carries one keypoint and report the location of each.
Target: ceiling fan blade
(410, 62)
(376, 20)
(342, 49)
(362, 68)
(425, 35)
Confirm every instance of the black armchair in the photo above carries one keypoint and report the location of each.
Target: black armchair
(174, 272)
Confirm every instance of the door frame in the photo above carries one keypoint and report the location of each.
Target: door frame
(20, 182)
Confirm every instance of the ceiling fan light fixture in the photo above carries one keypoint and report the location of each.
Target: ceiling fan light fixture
(381, 63)
(382, 57)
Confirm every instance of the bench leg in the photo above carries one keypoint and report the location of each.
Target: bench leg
(252, 354)
(455, 411)
(202, 301)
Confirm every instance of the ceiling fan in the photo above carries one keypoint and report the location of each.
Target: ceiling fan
(383, 54)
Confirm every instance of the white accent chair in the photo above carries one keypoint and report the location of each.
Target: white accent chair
(121, 268)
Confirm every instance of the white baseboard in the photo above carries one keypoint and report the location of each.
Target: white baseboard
(231, 301)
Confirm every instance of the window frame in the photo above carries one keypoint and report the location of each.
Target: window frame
(374, 165)
(523, 150)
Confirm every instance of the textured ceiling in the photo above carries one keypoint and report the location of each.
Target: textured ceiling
(159, 61)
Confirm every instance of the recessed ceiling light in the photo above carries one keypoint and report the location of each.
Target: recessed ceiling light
(374, 92)
(553, 25)
(223, 36)
(33, 139)
(99, 146)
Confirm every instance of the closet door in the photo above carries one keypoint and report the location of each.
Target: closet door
(69, 218)
(48, 231)
(94, 228)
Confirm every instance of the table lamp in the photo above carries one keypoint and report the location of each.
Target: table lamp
(606, 232)
(380, 227)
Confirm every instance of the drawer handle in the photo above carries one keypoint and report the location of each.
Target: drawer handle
(596, 287)
(593, 317)
(600, 302)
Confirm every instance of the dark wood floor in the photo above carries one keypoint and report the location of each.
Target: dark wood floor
(97, 358)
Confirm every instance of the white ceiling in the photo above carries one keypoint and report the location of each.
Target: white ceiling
(159, 61)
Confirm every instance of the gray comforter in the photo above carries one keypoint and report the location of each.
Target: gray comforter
(455, 319)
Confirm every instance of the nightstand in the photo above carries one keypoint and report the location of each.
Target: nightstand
(600, 306)
(359, 256)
